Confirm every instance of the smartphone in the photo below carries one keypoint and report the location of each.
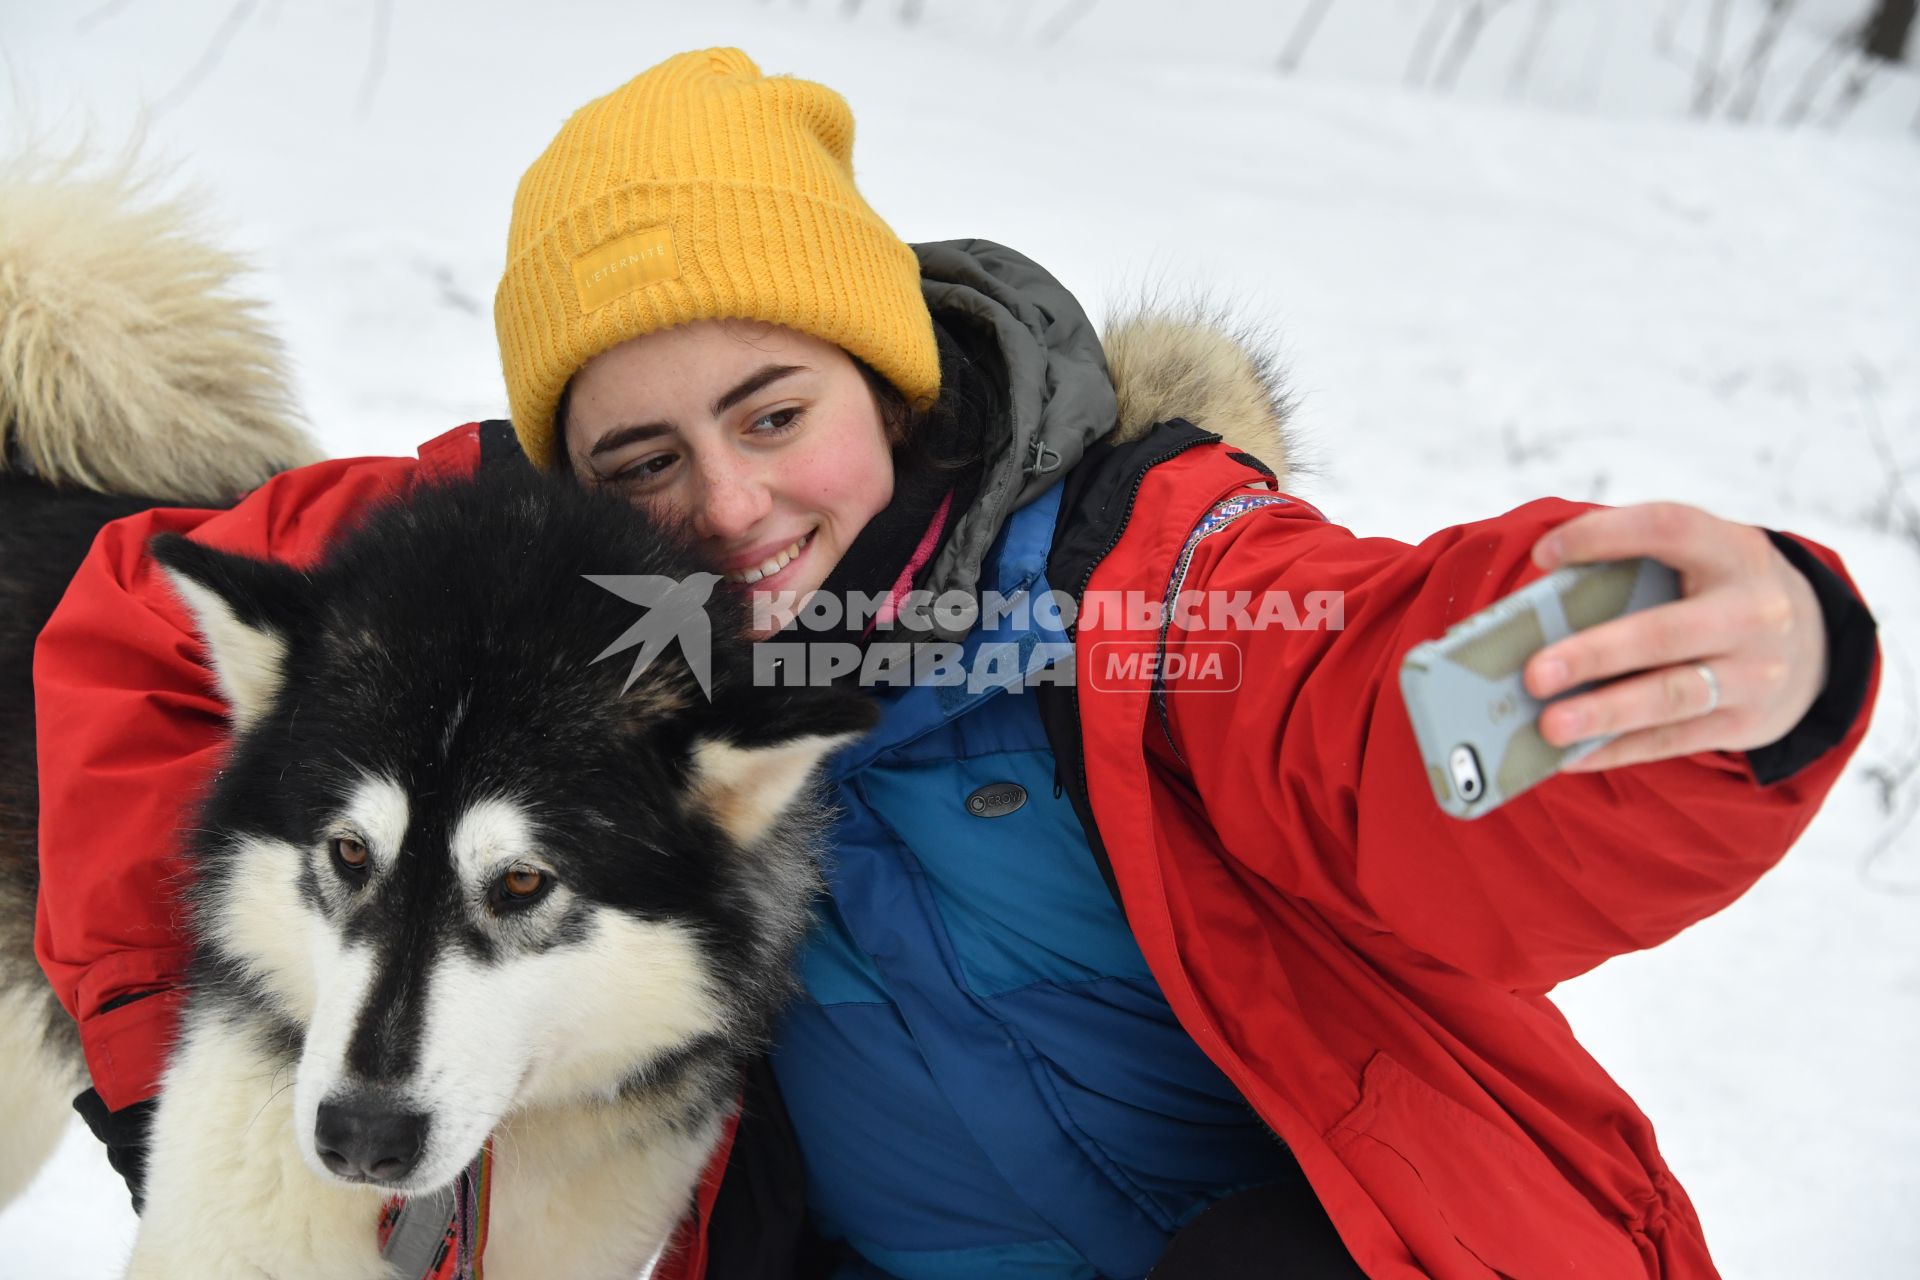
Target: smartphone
(1477, 726)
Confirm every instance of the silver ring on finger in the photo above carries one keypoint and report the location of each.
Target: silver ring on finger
(1713, 687)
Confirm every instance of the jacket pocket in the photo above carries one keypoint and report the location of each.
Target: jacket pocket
(1470, 1200)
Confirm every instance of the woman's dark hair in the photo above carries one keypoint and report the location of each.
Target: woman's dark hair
(557, 459)
(897, 417)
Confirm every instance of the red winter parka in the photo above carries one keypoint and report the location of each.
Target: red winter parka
(1372, 974)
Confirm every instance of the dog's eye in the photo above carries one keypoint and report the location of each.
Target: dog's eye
(519, 887)
(349, 852)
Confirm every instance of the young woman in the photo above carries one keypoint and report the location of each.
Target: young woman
(1185, 976)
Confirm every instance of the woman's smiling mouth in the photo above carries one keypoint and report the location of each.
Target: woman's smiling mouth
(773, 564)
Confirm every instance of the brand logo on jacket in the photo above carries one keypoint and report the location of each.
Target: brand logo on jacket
(996, 799)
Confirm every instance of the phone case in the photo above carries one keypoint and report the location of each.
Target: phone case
(1477, 726)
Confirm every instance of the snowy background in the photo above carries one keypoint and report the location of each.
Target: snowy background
(1608, 249)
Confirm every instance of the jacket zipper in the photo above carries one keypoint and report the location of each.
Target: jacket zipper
(1079, 599)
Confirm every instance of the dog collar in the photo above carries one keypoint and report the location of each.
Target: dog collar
(441, 1235)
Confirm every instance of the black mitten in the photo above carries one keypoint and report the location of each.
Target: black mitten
(125, 1134)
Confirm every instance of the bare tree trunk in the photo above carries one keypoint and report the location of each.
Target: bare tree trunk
(1438, 18)
(1669, 24)
(1544, 12)
(1859, 77)
(1706, 80)
(1303, 33)
(1818, 72)
(1753, 71)
(209, 59)
(1888, 27)
(88, 21)
(1016, 22)
(1062, 22)
(376, 57)
(1472, 23)
(1594, 70)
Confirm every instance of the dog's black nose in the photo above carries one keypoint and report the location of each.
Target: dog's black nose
(369, 1141)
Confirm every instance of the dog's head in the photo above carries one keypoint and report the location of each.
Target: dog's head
(464, 859)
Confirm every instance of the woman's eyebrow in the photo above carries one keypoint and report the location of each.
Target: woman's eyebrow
(764, 376)
(620, 437)
(753, 382)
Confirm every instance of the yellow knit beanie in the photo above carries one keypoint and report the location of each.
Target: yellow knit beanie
(701, 190)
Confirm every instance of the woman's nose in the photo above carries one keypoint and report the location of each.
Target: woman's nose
(733, 498)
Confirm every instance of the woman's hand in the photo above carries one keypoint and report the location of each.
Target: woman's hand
(1745, 615)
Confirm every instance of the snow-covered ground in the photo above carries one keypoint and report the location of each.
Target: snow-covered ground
(1561, 286)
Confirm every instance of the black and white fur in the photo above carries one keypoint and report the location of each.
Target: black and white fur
(429, 695)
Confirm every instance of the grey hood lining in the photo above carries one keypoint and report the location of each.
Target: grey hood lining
(1193, 362)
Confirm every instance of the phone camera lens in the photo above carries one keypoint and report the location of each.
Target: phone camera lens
(1464, 767)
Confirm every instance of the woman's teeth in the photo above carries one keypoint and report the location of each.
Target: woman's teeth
(771, 566)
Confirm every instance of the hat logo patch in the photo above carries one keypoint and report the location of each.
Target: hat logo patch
(631, 262)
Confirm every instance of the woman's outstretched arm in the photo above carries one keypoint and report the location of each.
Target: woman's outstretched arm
(1311, 774)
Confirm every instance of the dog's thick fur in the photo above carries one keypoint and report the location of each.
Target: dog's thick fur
(429, 693)
(129, 363)
(131, 374)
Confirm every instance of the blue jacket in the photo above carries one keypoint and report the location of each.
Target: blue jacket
(983, 1076)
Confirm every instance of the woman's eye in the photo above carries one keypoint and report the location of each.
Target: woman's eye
(779, 422)
(349, 853)
(644, 470)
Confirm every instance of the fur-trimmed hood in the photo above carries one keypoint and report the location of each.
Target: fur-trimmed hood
(127, 362)
(1067, 387)
(1196, 364)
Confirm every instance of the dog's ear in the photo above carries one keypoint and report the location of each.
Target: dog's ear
(748, 774)
(246, 611)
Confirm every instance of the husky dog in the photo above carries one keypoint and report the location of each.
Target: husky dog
(459, 884)
(458, 879)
